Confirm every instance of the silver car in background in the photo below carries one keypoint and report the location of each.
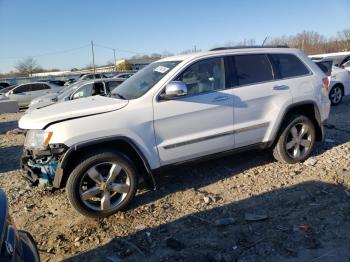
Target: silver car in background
(25, 93)
(77, 90)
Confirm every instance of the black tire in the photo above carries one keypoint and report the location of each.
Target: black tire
(336, 99)
(93, 158)
(280, 151)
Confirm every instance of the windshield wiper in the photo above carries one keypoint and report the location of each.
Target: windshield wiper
(119, 95)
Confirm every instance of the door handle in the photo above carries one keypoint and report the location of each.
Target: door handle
(220, 98)
(281, 87)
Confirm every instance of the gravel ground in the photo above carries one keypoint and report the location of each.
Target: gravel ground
(244, 207)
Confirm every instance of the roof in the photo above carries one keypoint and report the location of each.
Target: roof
(229, 51)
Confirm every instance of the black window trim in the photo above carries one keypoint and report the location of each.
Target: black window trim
(223, 56)
(230, 55)
(255, 83)
(306, 66)
(275, 71)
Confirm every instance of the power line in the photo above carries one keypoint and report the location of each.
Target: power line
(118, 50)
(48, 54)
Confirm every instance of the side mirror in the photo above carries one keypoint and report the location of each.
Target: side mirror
(11, 92)
(175, 89)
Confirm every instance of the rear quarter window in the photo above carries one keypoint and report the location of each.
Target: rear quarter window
(288, 65)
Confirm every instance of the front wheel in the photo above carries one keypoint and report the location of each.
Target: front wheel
(296, 141)
(336, 95)
(102, 184)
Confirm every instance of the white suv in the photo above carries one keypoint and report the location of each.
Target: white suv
(176, 110)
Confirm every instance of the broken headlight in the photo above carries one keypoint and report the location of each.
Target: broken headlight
(37, 139)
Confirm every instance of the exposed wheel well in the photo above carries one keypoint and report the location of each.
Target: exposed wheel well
(119, 145)
(309, 110)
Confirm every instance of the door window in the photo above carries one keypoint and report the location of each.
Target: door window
(251, 69)
(288, 65)
(22, 89)
(204, 76)
(98, 89)
(38, 87)
(112, 84)
(83, 91)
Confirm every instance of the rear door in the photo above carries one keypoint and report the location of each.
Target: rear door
(258, 98)
(40, 89)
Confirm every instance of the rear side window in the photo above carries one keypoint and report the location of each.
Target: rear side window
(37, 87)
(288, 65)
(252, 69)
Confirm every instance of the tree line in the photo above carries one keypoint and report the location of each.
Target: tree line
(310, 42)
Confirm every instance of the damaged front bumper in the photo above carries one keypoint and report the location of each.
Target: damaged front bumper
(42, 166)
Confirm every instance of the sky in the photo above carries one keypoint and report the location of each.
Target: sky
(58, 33)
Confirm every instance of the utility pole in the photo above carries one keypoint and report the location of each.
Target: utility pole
(115, 61)
(93, 56)
(195, 48)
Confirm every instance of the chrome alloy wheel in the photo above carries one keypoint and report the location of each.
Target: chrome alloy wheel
(104, 186)
(336, 95)
(298, 141)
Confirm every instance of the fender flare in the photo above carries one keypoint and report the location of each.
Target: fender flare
(290, 107)
(65, 158)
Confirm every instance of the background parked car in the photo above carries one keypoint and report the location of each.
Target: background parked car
(79, 90)
(24, 93)
(339, 81)
(55, 82)
(14, 245)
(92, 76)
(123, 75)
(339, 58)
(4, 84)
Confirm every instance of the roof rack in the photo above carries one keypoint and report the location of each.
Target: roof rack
(249, 46)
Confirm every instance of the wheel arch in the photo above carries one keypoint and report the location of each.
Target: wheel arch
(123, 144)
(306, 108)
(340, 85)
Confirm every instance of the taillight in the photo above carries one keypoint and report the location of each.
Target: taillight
(325, 81)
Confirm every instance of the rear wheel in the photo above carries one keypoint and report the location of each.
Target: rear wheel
(102, 184)
(296, 141)
(336, 95)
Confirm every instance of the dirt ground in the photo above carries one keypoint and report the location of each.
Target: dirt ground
(244, 207)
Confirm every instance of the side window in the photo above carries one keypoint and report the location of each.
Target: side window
(345, 60)
(37, 87)
(288, 65)
(252, 69)
(113, 84)
(83, 91)
(97, 76)
(98, 89)
(204, 76)
(22, 89)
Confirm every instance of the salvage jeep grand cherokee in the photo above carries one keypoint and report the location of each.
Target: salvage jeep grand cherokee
(175, 110)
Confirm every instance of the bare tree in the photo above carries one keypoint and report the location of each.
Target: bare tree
(28, 66)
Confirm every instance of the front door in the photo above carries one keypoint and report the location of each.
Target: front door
(199, 123)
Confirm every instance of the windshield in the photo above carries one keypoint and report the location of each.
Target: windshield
(138, 84)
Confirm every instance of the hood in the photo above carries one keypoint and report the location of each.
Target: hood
(38, 119)
(46, 97)
(39, 105)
